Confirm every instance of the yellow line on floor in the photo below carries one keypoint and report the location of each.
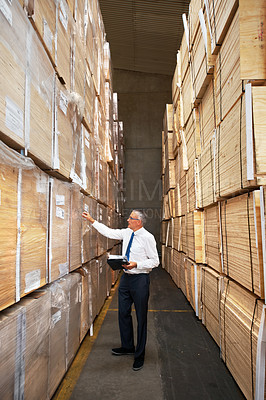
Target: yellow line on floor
(174, 311)
(69, 381)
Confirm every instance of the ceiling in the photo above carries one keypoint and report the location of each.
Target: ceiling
(144, 35)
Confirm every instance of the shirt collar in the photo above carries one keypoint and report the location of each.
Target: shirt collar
(139, 231)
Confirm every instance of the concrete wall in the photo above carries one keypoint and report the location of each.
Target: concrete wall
(142, 98)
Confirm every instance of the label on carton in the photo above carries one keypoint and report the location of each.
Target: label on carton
(5, 10)
(56, 317)
(63, 102)
(63, 15)
(47, 35)
(60, 213)
(63, 268)
(60, 200)
(14, 117)
(32, 280)
(41, 184)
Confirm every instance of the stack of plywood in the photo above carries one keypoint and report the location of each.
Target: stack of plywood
(57, 109)
(219, 100)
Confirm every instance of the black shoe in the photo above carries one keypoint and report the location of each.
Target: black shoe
(122, 351)
(138, 363)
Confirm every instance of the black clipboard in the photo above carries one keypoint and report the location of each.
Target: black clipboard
(117, 262)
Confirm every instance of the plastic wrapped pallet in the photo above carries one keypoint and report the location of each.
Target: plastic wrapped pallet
(102, 217)
(86, 299)
(89, 34)
(39, 93)
(78, 49)
(59, 228)
(75, 227)
(57, 335)
(13, 50)
(26, 326)
(73, 290)
(24, 209)
(102, 266)
(210, 299)
(240, 323)
(64, 28)
(93, 268)
(68, 158)
(101, 177)
(89, 240)
(111, 188)
(90, 158)
(89, 100)
(43, 15)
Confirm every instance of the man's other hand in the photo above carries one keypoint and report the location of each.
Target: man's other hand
(131, 265)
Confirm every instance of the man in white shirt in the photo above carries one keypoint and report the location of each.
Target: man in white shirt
(139, 246)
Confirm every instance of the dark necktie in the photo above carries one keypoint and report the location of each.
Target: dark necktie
(129, 245)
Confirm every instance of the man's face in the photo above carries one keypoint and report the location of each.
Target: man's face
(133, 221)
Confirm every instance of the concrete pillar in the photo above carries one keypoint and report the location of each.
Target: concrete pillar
(142, 98)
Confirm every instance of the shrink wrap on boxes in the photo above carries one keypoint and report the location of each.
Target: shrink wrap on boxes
(13, 50)
(89, 234)
(102, 267)
(39, 93)
(24, 212)
(93, 268)
(59, 229)
(43, 15)
(68, 158)
(64, 26)
(26, 326)
(76, 227)
(89, 100)
(57, 335)
(102, 217)
(73, 288)
(101, 177)
(86, 302)
(90, 157)
(78, 49)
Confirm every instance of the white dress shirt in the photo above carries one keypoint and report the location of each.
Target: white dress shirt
(143, 249)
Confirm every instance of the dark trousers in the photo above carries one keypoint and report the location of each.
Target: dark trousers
(133, 289)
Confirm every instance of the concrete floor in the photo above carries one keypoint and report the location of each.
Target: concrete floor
(182, 360)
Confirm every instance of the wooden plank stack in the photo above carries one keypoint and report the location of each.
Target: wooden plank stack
(61, 153)
(220, 176)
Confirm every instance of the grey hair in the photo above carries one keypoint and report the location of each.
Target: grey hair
(141, 216)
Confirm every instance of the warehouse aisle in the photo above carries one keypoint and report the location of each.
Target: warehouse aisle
(182, 361)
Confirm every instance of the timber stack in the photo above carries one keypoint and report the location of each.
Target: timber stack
(61, 153)
(214, 180)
